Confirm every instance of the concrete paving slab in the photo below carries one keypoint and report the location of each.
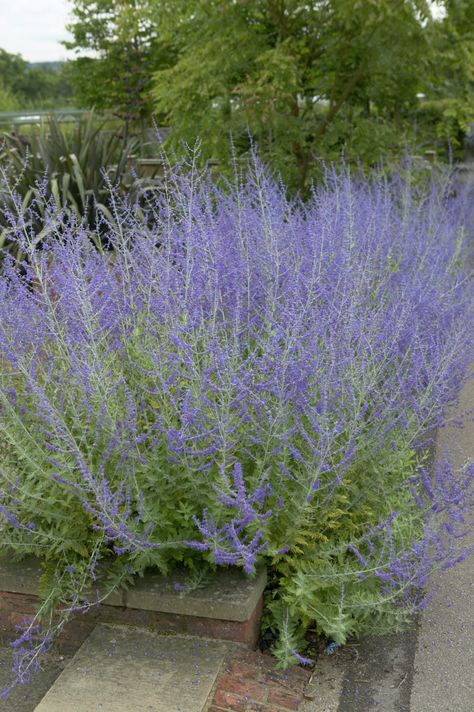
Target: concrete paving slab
(23, 577)
(19, 576)
(323, 692)
(444, 661)
(24, 698)
(228, 595)
(379, 673)
(124, 669)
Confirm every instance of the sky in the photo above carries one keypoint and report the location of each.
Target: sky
(34, 28)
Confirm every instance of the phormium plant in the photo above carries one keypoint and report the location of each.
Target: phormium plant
(70, 165)
(252, 379)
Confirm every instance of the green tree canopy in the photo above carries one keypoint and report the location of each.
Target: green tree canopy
(118, 51)
(307, 80)
(449, 104)
(23, 85)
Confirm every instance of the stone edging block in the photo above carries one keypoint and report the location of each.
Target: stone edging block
(228, 595)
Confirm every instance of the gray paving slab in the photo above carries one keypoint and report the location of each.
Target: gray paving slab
(125, 669)
(227, 594)
(24, 698)
(22, 576)
(323, 692)
(379, 673)
(444, 661)
(19, 576)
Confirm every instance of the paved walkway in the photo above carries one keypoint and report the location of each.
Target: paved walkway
(124, 669)
(24, 698)
(248, 682)
(444, 661)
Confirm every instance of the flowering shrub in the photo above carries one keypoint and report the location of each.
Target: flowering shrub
(240, 378)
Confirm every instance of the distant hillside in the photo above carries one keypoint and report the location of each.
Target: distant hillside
(48, 66)
(32, 85)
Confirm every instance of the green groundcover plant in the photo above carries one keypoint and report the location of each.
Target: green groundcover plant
(239, 379)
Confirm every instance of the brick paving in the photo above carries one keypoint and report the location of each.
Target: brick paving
(15, 608)
(248, 682)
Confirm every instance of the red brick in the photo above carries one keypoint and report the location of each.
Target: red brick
(16, 606)
(229, 701)
(19, 602)
(300, 672)
(244, 670)
(284, 699)
(255, 659)
(245, 688)
(19, 619)
(288, 681)
(17, 598)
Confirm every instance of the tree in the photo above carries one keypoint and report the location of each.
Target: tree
(303, 78)
(23, 85)
(448, 110)
(8, 100)
(118, 49)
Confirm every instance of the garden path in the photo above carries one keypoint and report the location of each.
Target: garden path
(120, 669)
(444, 661)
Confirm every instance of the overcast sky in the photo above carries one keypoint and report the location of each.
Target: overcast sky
(34, 28)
